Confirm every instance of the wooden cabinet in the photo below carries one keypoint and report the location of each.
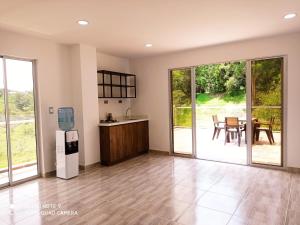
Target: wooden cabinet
(116, 85)
(124, 141)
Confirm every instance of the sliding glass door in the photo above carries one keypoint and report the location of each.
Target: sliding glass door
(3, 144)
(181, 98)
(266, 109)
(229, 112)
(18, 129)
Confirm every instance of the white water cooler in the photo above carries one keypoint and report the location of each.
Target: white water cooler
(67, 158)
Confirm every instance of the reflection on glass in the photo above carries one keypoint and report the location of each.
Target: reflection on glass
(182, 110)
(3, 143)
(22, 118)
(267, 110)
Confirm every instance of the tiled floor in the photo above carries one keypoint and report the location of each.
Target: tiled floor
(154, 189)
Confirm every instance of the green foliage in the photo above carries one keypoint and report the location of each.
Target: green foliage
(22, 144)
(224, 85)
(266, 82)
(239, 97)
(182, 117)
(21, 106)
(221, 78)
(266, 91)
(264, 115)
(203, 98)
(24, 101)
(220, 99)
(269, 98)
(181, 85)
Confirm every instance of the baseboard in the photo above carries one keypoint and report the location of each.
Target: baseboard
(160, 152)
(49, 174)
(183, 155)
(293, 169)
(53, 173)
(96, 164)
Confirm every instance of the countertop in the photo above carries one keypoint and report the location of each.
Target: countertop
(122, 122)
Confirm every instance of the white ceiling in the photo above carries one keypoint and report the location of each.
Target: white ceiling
(122, 27)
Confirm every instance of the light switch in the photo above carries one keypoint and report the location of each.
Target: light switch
(51, 110)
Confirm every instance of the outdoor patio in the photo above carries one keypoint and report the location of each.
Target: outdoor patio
(262, 151)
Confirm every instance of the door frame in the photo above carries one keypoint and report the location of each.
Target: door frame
(171, 124)
(36, 117)
(248, 111)
(283, 150)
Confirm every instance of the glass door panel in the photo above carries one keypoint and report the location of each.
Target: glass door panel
(3, 143)
(21, 110)
(266, 95)
(182, 111)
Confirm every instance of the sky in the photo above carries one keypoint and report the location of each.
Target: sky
(19, 75)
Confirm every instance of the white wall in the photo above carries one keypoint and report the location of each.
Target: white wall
(153, 93)
(117, 64)
(77, 98)
(53, 83)
(109, 62)
(85, 98)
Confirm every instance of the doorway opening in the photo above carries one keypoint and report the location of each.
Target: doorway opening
(18, 142)
(221, 94)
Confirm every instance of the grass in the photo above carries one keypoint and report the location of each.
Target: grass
(220, 99)
(22, 144)
(212, 104)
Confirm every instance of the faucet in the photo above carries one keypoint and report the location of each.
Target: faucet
(126, 115)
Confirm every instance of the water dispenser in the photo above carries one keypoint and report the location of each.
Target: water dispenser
(67, 157)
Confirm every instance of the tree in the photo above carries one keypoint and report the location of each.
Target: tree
(220, 78)
(181, 85)
(24, 101)
(266, 81)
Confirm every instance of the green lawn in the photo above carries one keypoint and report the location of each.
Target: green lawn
(208, 105)
(22, 144)
(220, 99)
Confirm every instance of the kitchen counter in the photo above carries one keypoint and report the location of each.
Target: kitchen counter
(121, 122)
(123, 140)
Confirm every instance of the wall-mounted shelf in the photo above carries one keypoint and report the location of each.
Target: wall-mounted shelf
(116, 85)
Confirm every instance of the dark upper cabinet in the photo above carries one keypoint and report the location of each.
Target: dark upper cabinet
(116, 85)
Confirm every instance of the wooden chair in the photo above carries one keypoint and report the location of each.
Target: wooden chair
(218, 126)
(243, 128)
(232, 127)
(266, 127)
